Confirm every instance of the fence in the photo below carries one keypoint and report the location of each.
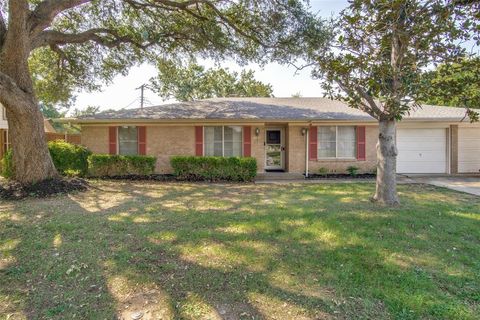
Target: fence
(72, 138)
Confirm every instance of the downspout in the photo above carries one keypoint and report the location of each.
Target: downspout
(306, 152)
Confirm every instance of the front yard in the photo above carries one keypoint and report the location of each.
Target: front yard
(200, 251)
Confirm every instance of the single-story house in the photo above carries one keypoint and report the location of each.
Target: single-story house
(4, 138)
(295, 135)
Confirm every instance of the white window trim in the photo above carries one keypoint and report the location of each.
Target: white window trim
(336, 145)
(223, 140)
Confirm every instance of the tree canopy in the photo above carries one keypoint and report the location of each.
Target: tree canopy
(455, 84)
(194, 82)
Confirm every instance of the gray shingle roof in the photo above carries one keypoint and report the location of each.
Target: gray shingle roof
(266, 109)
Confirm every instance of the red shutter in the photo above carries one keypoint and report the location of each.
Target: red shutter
(112, 140)
(312, 143)
(247, 141)
(361, 152)
(199, 141)
(142, 140)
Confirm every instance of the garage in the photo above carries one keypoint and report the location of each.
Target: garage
(422, 150)
(468, 150)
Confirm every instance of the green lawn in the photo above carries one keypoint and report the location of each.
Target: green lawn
(199, 251)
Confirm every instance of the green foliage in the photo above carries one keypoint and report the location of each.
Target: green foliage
(7, 164)
(194, 82)
(130, 34)
(453, 84)
(214, 168)
(352, 170)
(323, 171)
(380, 49)
(69, 159)
(88, 111)
(106, 165)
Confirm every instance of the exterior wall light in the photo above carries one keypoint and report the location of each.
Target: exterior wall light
(304, 131)
(257, 131)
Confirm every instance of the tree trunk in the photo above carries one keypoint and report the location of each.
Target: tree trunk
(31, 158)
(386, 190)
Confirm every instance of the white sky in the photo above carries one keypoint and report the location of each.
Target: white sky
(285, 82)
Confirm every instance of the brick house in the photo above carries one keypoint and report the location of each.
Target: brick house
(294, 135)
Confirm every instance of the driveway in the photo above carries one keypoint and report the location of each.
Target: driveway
(464, 184)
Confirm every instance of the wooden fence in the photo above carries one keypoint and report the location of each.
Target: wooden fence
(72, 138)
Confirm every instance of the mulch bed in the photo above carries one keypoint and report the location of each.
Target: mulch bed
(136, 177)
(15, 191)
(341, 176)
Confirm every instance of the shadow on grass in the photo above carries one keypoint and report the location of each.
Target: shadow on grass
(241, 251)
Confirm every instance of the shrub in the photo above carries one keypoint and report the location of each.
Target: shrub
(352, 170)
(214, 168)
(323, 171)
(7, 163)
(69, 159)
(106, 165)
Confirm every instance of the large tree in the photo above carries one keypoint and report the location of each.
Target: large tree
(376, 59)
(194, 82)
(85, 40)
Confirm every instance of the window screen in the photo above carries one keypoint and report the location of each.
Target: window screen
(127, 141)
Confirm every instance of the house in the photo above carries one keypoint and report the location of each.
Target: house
(286, 134)
(4, 138)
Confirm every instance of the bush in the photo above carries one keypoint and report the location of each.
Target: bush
(7, 164)
(323, 171)
(69, 159)
(214, 168)
(352, 170)
(106, 165)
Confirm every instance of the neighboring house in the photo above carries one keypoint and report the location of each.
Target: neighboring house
(290, 134)
(4, 138)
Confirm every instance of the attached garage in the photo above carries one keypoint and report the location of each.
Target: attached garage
(468, 150)
(422, 150)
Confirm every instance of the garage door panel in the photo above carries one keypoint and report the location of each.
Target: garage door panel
(422, 151)
(468, 150)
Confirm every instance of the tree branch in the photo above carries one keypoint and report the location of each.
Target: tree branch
(43, 15)
(105, 37)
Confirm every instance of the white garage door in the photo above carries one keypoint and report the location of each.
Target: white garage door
(468, 149)
(422, 151)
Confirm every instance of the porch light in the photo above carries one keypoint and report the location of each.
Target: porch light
(257, 131)
(304, 131)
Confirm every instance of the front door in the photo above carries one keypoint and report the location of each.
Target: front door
(274, 149)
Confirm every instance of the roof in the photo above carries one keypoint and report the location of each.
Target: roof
(268, 109)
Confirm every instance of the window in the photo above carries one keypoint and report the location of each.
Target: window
(127, 140)
(337, 142)
(223, 141)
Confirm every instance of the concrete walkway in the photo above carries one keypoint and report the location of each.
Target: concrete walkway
(467, 184)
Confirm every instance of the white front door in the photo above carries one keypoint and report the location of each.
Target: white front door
(274, 149)
(422, 150)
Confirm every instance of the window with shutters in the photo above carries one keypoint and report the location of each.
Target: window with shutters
(337, 142)
(223, 141)
(127, 140)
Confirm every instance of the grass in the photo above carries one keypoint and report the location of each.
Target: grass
(200, 251)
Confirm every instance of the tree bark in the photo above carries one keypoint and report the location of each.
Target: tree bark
(386, 190)
(31, 158)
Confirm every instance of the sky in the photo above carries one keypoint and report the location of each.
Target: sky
(285, 80)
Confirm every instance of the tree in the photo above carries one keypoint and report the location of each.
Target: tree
(91, 40)
(193, 82)
(376, 58)
(88, 111)
(454, 84)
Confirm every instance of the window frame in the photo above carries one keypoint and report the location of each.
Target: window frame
(118, 140)
(223, 140)
(336, 144)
